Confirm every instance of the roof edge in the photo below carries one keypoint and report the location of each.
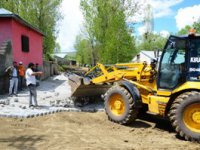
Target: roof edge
(18, 18)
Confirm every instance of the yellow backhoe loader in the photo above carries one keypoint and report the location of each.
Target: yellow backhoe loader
(170, 88)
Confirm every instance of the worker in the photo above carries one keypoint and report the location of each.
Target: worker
(31, 83)
(13, 74)
(21, 70)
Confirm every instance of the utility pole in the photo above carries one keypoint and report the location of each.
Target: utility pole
(148, 21)
(93, 53)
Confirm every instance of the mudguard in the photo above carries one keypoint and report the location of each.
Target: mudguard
(135, 93)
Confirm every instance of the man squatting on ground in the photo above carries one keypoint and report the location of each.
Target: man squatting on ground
(13, 75)
(31, 83)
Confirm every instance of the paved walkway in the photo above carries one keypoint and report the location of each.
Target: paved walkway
(53, 96)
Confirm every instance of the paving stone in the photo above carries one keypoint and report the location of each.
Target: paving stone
(23, 107)
(16, 100)
(58, 102)
(18, 105)
(2, 102)
(7, 102)
(57, 94)
(32, 116)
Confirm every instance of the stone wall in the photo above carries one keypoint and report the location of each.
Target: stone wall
(6, 60)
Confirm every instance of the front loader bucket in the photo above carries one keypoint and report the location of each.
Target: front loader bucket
(80, 89)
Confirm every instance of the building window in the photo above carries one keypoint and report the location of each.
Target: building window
(25, 43)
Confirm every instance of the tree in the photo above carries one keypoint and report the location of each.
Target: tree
(107, 31)
(83, 51)
(184, 30)
(152, 42)
(196, 26)
(43, 14)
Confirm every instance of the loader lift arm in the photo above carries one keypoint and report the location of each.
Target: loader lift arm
(130, 71)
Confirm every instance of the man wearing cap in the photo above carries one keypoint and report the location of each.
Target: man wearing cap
(13, 73)
(31, 83)
(21, 70)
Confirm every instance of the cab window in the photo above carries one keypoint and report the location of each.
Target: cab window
(172, 66)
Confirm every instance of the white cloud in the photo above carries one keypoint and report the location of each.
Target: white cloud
(160, 8)
(141, 30)
(187, 16)
(69, 27)
(163, 8)
(164, 33)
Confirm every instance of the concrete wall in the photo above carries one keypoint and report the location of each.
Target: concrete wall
(49, 68)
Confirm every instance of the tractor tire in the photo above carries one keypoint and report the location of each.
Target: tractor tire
(185, 115)
(119, 105)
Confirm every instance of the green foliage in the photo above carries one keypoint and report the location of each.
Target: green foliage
(108, 39)
(70, 56)
(196, 25)
(64, 68)
(83, 51)
(61, 69)
(43, 14)
(49, 57)
(184, 30)
(151, 42)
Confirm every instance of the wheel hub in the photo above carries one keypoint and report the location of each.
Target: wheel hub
(196, 117)
(118, 104)
(191, 117)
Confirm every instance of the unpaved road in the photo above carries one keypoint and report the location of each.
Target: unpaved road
(79, 130)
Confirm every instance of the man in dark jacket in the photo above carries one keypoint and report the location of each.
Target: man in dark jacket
(12, 71)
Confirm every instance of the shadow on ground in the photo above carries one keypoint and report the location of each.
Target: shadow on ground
(22, 142)
(145, 120)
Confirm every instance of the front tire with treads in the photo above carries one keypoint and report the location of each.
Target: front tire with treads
(185, 115)
(119, 105)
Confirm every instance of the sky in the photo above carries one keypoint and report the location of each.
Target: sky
(169, 17)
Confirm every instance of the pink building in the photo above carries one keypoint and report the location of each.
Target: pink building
(26, 40)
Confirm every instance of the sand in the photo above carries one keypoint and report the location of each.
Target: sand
(80, 130)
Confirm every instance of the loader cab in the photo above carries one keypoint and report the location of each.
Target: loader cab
(180, 62)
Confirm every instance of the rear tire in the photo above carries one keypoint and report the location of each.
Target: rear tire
(119, 105)
(185, 115)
